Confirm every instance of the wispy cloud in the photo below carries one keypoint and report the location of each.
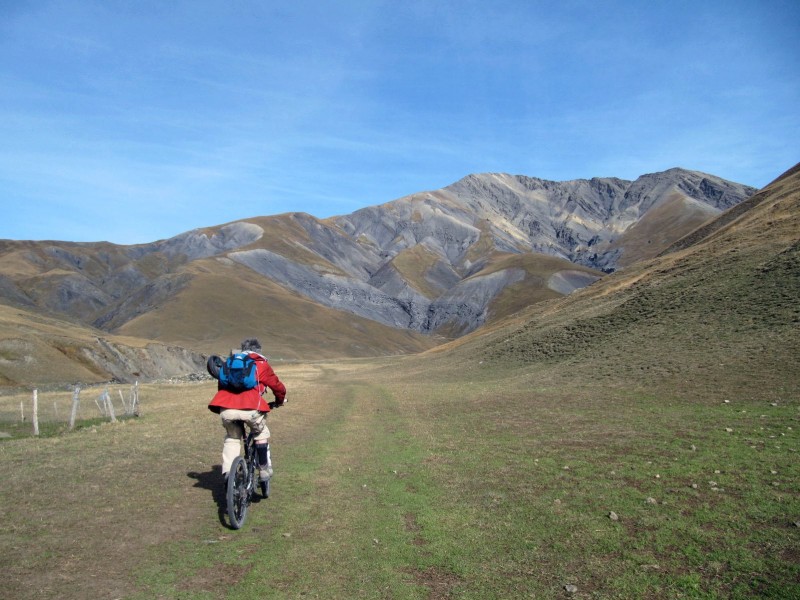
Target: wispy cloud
(156, 121)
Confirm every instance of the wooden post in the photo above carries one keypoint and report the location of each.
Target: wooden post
(75, 402)
(110, 406)
(22, 410)
(35, 412)
(136, 399)
(122, 399)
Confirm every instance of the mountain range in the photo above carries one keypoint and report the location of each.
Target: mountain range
(395, 278)
(714, 316)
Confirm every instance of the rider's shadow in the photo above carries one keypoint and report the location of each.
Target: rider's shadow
(213, 482)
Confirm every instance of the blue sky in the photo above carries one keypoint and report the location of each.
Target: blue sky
(137, 121)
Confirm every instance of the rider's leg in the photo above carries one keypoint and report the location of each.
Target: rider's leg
(234, 433)
(259, 425)
(264, 460)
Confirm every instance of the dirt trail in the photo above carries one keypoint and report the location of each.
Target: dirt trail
(83, 511)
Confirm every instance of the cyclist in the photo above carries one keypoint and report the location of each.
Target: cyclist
(249, 407)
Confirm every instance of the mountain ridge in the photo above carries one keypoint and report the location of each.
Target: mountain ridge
(443, 262)
(723, 304)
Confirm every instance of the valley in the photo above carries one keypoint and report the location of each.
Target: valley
(396, 278)
(637, 437)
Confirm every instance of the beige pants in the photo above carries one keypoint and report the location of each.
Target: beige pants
(233, 420)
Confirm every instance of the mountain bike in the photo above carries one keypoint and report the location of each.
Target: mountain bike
(242, 481)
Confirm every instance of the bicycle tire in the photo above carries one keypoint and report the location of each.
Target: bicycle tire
(213, 365)
(237, 493)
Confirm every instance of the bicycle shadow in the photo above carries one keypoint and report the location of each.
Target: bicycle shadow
(212, 481)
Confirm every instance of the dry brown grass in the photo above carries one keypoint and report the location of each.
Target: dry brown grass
(79, 508)
(413, 264)
(82, 510)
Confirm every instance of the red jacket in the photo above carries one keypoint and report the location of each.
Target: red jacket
(251, 399)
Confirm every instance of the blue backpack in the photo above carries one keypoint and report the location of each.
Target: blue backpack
(239, 373)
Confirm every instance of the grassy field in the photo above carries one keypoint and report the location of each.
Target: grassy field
(635, 439)
(392, 484)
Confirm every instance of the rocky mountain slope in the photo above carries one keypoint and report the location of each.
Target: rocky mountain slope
(441, 262)
(588, 222)
(720, 309)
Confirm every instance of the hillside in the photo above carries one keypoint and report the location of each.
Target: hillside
(421, 262)
(722, 305)
(443, 262)
(222, 304)
(44, 351)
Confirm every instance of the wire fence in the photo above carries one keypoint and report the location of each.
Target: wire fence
(70, 407)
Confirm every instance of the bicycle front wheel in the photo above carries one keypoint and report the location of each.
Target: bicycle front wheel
(237, 497)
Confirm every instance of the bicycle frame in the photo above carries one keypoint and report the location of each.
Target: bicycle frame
(241, 483)
(250, 460)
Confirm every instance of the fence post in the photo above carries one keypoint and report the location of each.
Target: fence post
(136, 399)
(75, 401)
(22, 410)
(124, 405)
(35, 412)
(109, 406)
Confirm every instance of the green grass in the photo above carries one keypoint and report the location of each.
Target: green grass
(480, 483)
(389, 486)
(55, 408)
(48, 428)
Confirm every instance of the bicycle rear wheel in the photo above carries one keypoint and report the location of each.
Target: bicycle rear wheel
(237, 496)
